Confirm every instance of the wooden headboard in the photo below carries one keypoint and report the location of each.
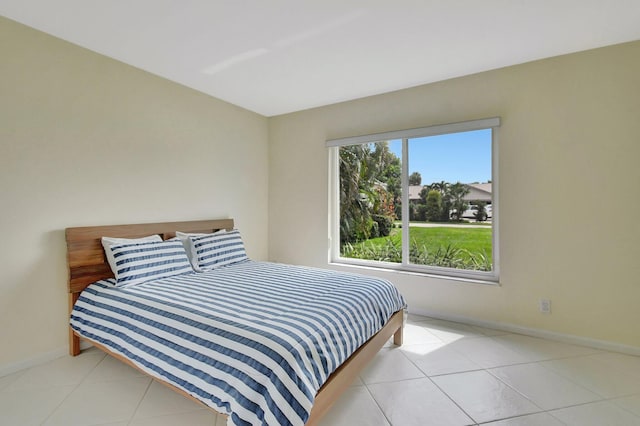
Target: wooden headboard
(85, 255)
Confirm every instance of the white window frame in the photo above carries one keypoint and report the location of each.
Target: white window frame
(484, 277)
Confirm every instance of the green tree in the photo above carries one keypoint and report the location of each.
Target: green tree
(415, 178)
(442, 187)
(421, 212)
(457, 191)
(446, 200)
(433, 205)
(389, 175)
(367, 172)
(355, 215)
(423, 194)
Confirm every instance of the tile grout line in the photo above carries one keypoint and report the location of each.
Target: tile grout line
(439, 388)
(146, 391)
(18, 374)
(475, 422)
(366, 386)
(487, 370)
(602, 398)
(76, 386)
(570, 379)
(606, 400)
(419, 378)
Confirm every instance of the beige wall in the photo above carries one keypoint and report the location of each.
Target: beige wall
(85, 140)
(569, 199)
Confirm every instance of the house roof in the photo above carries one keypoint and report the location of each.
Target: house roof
(484, 187)
(414, 192)
(479, 192)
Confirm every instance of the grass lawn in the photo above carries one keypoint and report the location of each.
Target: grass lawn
(475, 241)
(464, 222)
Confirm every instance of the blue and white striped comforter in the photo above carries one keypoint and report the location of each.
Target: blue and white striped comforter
(255, 340)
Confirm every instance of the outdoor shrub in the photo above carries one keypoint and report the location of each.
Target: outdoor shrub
(385, 224)
(412, 212)
(375, 229)
(355, 229)
(388, 252)
(481, 212)
(444, 256)
(421, 213)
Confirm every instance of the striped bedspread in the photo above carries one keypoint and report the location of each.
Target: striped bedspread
(255, 340)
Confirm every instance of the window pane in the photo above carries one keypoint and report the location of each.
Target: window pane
(370, 201)
(450, 196)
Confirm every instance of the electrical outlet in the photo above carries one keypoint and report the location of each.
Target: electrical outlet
(545, 306)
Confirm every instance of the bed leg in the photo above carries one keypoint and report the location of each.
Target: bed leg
(398, 336)
(74, 343)
(74, 339)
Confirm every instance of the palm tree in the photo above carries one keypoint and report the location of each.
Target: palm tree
(441, 186)
(354, 212)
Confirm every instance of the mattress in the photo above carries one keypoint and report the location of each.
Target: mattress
(255, 340)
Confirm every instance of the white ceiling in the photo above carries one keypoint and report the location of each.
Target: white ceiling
(280, 56)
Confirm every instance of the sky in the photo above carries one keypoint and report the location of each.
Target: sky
(457, 157)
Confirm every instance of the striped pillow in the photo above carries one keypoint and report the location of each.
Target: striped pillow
(107, 242)
(138, 263)
(188, 245)
(214, 251)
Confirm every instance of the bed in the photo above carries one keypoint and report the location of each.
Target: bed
(327, 375)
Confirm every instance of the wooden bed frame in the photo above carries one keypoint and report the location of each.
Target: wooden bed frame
(87, 264)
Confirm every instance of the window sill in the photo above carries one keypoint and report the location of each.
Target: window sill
(404, 270)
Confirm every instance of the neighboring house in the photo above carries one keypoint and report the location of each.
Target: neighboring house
(477, 192)
(414, 192)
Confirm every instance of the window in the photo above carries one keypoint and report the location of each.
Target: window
(421, 200)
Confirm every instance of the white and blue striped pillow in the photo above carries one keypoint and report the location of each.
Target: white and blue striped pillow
(217, 250)
(188, 245)
(107, 242)
(138, 263)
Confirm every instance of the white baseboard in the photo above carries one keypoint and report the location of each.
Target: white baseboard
(534, 332)
(32, 361)
(42, 358)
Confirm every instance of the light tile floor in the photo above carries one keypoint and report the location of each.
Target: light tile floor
(445, 374)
